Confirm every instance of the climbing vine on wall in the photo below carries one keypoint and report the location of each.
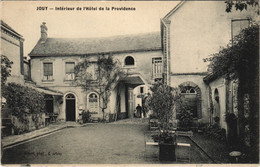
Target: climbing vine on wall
(6, 66)
(108, 72)
(23, 99)
(240, 61)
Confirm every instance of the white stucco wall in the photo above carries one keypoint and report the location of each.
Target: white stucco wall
(10, 47)
(143, 67)
(220, 85)
(199, 29)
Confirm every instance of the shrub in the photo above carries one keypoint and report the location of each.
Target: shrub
(185, 117)
(86, 116)
(22, 99)
(162, 103)
(6, 66)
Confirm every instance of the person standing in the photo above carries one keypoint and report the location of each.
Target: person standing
(139, 110)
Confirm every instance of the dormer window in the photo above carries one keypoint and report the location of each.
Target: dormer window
(129, 61)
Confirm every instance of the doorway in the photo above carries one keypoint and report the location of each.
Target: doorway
(70, 107)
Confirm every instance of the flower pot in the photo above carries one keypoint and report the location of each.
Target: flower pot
(166, 152)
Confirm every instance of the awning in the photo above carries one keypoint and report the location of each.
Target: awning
(48, 91)
(134, 80)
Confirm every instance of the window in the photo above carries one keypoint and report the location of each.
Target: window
(188, 90)
(157, 67)
(141, 89)
(92, 71)
(129, 61)
(93, 103)
(47, 71)
(237, 25)
(69, 69)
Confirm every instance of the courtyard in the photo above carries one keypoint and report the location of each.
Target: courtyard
(121, 142)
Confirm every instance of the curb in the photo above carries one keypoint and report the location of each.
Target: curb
(203, 151)
(18, 142)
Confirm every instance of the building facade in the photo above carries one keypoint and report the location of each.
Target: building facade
(53, 61)
(12, 48)
(192, 32)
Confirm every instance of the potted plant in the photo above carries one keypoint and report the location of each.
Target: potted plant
(162, 102)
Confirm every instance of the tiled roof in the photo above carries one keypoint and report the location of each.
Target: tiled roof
(91, 46)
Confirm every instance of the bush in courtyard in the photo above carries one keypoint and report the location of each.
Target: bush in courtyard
(22, 99)
(86, 116)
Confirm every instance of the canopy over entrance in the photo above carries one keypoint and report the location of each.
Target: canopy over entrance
(134, 80)
(48, 91)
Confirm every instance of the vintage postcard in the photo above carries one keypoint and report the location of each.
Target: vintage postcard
(129, 83)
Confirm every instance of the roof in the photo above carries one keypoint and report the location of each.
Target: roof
(47, 91)
(9, 29)
(174, 9)
(90, 46)
(212, 76)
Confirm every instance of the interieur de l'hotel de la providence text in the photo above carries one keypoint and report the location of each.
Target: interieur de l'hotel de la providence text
(91, 8)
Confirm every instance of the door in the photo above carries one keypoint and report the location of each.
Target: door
(70, 107)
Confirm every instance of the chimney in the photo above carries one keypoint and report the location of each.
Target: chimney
(43, 32)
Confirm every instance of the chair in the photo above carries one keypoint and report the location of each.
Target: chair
(181, 152)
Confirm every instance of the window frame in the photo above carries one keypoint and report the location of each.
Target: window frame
(236, 20)
(68, 73)
(51, 79)
(88, 102)
(94, 71)
(155, 60)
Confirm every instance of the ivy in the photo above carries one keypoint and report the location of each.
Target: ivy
(240, 5)
(240, 61)
(238, 58)
(108, 73)
(22, 99)
(6, 66)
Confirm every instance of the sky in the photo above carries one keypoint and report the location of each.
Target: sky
(25, 19)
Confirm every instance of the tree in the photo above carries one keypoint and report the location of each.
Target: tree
(162, 102)
(240, 4)
(6, 68)
(240, 61)
(108, 72)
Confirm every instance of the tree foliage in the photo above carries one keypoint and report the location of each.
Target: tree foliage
(21, 98)
(240, 4)
(6, 67)
(108, 73)
(162, 101)
(238, 58)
